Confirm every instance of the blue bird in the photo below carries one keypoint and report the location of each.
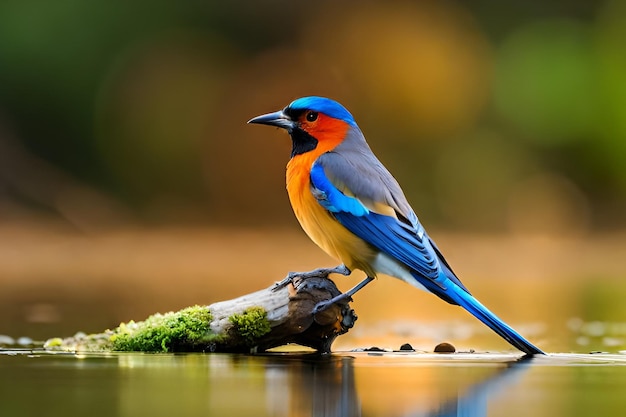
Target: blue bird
(354, 209)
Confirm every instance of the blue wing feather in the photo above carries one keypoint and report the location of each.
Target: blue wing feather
(410, 245)
(331, 198)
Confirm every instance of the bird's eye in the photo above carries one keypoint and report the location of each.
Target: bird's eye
(311, 116)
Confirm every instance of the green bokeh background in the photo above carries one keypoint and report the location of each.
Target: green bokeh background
(494, 117)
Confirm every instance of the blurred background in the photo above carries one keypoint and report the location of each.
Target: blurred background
(130, 182)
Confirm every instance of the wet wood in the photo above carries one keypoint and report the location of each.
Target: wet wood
(289, 312)
(255, 322)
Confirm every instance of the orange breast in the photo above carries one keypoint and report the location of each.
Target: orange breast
(318, 224)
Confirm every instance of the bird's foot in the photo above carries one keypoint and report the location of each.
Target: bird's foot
(323, 305)
(316, 273)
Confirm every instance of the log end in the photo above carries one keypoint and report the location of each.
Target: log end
(302, 327)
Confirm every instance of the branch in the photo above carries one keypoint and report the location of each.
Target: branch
(254, 322)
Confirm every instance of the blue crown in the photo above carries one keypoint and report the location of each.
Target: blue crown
(323, 105)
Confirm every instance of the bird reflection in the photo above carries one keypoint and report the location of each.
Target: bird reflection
(318, 386)
(474, 401)
(342, 386)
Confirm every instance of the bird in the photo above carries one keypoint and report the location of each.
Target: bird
(353, 208)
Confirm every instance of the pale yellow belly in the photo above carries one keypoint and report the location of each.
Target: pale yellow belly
(330, 235)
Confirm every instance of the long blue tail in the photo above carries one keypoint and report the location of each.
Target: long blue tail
(482, 313)
(449, 287)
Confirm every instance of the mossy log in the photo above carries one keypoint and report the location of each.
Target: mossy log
(255, 322)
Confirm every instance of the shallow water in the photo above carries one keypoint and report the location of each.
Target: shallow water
(564, 295)
(559, 299)
(288, 384)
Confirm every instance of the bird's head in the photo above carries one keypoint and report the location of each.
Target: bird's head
(314, 123)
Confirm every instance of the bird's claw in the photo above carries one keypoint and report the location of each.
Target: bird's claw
(285, 281)
(323, 305)
(316, 273)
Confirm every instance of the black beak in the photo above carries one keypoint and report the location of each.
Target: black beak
(278, 119)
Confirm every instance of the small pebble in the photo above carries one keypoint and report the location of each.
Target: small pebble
(374, 349)
(407, 347)
(6, 340)
(445, 347)
(24, 341)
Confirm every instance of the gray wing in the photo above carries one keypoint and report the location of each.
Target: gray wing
(355, 170)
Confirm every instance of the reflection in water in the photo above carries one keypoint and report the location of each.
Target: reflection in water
(474, 402)
(329, 386)
(276, 385)
(324, 385)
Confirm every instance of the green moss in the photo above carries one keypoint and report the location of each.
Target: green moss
(184, 330)
(251, 324)
(55, 342)
(187, 330)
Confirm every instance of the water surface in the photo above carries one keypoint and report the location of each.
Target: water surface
(341, 384)
(564, 296)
